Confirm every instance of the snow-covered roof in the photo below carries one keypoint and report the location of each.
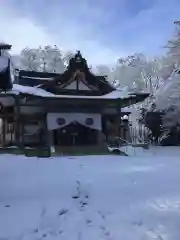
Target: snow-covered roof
(19, 89)
(126, 109)
(38, 78)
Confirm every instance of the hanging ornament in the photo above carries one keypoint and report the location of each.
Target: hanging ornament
(61, 121)
(89, 121)
(64, 131)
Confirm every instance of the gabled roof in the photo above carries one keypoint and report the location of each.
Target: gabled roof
(49, 81)
(36, 74)
(5, 46)
(33, 78)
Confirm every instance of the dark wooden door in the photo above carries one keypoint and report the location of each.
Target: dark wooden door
(75, 134)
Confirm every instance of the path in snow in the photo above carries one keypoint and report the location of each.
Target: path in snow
(92, 197)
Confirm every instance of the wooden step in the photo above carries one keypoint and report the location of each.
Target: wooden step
(81, 150)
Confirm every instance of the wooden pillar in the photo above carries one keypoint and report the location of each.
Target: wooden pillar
(4, 131)
(45, 130)
(17, 122)
(49, 136)
(118, 119)
(51, 141)
(22, 131)
(101, 138)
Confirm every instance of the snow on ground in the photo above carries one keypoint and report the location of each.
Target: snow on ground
(91, 197)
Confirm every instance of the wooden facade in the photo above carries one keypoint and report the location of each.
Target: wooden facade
(87, 111)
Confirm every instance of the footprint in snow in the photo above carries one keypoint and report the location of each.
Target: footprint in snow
(137, 223)
(43, 212)
(63, 212)
(82, 195)
(89, 222)
(7, 206)
(75, 196)
(44, 235)
(36, 230)
(101, 215)
(83, 204)
(79, 236)
(78, 190)
(106, 233)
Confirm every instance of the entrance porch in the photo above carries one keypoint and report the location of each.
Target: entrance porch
(74, 135)
(74, 129)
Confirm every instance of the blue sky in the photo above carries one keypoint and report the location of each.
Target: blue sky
(103, 30)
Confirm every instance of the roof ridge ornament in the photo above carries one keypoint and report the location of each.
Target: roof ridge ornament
(78, 57)
(78, 62)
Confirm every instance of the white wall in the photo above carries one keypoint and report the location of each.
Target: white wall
(7, 101)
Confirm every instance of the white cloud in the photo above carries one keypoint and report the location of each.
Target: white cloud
(102, 30)
(22, 32)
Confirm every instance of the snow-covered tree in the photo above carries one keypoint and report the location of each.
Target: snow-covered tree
(165, 69)
(168, 95)
(48, 58)
(173, 46)
(29, 60)
(67, 56)
(103, 70)
(126, 74)
(166, 100)
(136, 72)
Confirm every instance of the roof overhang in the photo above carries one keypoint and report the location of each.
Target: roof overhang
(123, 99)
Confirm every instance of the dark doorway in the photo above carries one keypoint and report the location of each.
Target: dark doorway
(75, 134)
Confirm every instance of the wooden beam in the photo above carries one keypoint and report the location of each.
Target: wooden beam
(72, 101)
(29, 117)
